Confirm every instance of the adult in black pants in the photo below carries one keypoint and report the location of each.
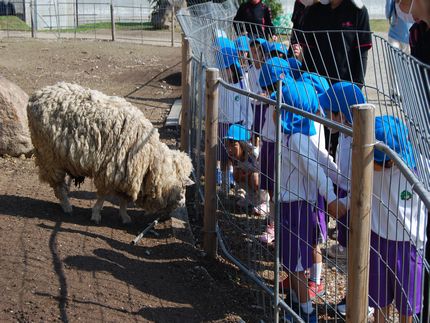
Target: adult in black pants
(335, 40)
(254, 18)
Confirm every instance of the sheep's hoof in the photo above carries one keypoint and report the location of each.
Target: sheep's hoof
(96, 218)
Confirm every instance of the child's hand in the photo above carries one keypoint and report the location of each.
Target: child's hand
(336, 209)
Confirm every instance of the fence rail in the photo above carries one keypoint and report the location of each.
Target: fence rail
(397, 86)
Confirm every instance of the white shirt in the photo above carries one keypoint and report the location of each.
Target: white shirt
(254, 80)
(301, 176)
(323, 157)
(268, 132)
(343, 161)
(397, 212)
(234, 107)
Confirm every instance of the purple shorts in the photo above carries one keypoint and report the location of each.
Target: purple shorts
(396, 272)
(298, 227)
(321, 233)
(343, 223)
(267, 163)
(259, 117)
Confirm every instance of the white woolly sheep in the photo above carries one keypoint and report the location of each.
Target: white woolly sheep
(84, 133)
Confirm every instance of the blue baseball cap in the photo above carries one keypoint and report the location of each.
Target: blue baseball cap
(238, 132)
(257, 40)
(319, 82)
(222, 42)
(278, 48)
(242, 43)
(394, 133)
(273, 70)
(228, 56)
(340, 97)
(303, 96)
(295, 66)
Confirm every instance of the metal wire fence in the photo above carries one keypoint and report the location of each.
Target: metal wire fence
(140, 22)
(287, 212)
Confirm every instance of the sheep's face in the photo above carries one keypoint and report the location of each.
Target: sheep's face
(183, 168)
(167, 193)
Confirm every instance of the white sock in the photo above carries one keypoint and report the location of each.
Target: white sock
(316, 270)
(307, 307)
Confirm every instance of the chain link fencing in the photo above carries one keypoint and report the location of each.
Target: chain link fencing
(281, 190)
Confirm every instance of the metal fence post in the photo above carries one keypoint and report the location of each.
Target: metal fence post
(361, 207)
(32, 22)
(277, 197)
(173, 25)
(211, 136)
(185, 82)
(112, 21)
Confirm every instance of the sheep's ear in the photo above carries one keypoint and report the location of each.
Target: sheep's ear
(188, 182)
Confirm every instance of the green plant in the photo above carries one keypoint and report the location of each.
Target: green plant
(275, 6)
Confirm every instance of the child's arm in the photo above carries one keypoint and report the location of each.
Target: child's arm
(306, 152)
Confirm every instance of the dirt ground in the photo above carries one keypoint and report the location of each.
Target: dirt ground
(55, 267)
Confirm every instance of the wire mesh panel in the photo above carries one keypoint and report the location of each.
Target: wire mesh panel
(284, 186)
(134, 21)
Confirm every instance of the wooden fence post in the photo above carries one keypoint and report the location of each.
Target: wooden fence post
(185, 82)
(211, 137)
(361, 208)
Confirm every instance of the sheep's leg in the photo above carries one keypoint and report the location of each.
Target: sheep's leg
(123, 211)
(61, 191)
(96, 217)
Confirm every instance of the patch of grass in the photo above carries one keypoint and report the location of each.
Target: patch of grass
(107, 25)
(12, 23)
(379, 25)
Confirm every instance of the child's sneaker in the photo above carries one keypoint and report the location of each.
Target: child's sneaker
(268, 236)
(315, 289)
(341, 308)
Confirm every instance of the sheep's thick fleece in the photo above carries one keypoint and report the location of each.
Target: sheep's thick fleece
(84, 132)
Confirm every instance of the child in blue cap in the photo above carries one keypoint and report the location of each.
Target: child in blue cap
(303, 177)
(245, 167)
(398, 228)
(272, 70)
(233, 108)
(336, 102)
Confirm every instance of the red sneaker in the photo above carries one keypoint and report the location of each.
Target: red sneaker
(315, 290)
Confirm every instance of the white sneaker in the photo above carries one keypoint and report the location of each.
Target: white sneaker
(341, 308)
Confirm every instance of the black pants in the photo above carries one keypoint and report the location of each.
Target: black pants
(331, 140)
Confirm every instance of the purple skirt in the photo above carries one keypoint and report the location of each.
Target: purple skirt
(298, 228)
(396, 272)
(267, 163)
(321, 234)
(259, 117)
